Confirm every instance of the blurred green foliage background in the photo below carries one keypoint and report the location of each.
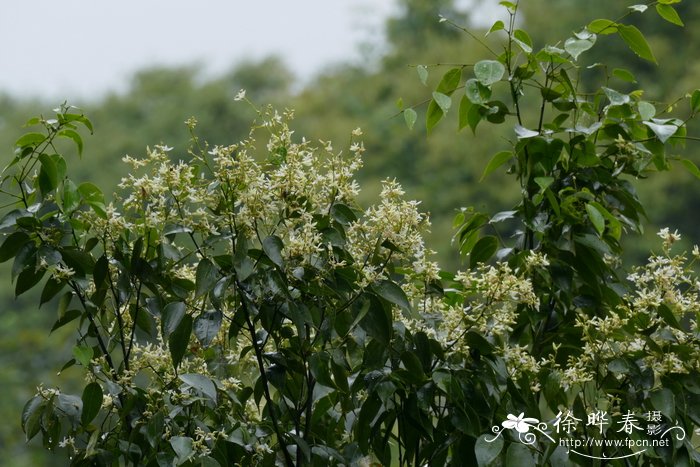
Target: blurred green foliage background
(442, 170)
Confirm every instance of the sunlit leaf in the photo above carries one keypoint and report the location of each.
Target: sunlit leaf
(489, 71)
(635, 40)
(669, 13)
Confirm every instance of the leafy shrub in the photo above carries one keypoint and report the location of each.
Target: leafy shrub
(238, 307)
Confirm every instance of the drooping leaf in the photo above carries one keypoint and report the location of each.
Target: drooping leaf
(443, 101)
(206, 276)
(477, 92)
(596, 218)
(635, 40)
(31, 416)
(200, 383)
(92, 401)
(179, 340)
(206, 327)
(12, 244)
(496, 161)
(450, 81)
(83, 354)
(616, 98)
(433, 115)
(410, 116)
(669, 13)
(391, 292)
(272, 246)
(422, 74)
(171, 317)
(695, 101)
(661, 129)
(483, 250)
(647, 111)
(575, 46)
(524, 133)
(469, 114)
(691, 167)
(523, 40)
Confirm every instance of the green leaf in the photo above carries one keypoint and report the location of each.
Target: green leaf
(524, 133)
(48, 175)
(596, 218)
(377, 322)
(496, 161)
(477, 92)
(30, 140)
(646, 110)
(422, 74)
(27, 279)
(319, 364)
(635, 40)
(544, 182)
(92, 401)
(182, 445)
(497, 26)
(616, 98)
(179, 340)
(75, 137)
(576, 47)
(32, 415)
(12, 244)
(469, 114)
(489, 72)
(483, 250)
(662, 130)
(413, 366)
(487, 449)
(523, 40)
(392, 293)
(518, 455)
(669, 13)
(410, 116)
(602, 26)
(272, 246)
(664, 401)
(450, 81)
(200, 383)
(205, 277)
(171, 317)
(206, 327)
(71, 197)
(93, 196)
(691, 167)
(695, 101)
(433, 115)
(443, 101)
(83, 354)
(51, 289)
(624, 75)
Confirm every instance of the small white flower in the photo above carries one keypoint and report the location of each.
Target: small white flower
(240, 96)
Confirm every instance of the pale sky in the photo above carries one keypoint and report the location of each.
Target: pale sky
(69, 49)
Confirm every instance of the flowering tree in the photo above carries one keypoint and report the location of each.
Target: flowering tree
(236, 306)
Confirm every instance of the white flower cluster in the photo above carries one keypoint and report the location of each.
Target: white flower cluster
(657, 325)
